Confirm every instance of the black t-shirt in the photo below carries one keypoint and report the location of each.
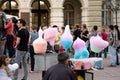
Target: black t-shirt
(76, 34)
(85, 33)
(23, 34)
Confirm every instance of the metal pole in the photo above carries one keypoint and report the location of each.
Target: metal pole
(116, 16)
(39, 14)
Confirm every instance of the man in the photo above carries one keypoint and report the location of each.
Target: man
(23, 38)
(60, 71)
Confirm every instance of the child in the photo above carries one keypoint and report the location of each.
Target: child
(4, 73)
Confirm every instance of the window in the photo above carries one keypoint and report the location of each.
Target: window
(40, 13)
(106, 13)
(10, 5)
(68, 14)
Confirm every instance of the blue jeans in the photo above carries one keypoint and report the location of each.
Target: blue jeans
(21, 56)
(112, 51)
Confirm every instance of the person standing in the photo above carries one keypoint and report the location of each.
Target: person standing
(57, 39)
(85, 35)
(104, 36)
(117, 41)
(60, 71)
(34, 35)
(94, 33)
(23, 39)
(112, 47)
(2, 31)
(9, 40)
(76, 32)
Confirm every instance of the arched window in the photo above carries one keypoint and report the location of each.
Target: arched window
(72, 12)
(10, 7)
(40, 12)
(68, 14)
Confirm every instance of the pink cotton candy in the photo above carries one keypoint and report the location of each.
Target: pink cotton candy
(40, 45)
(97, 44)
(50, 35)
(79, 44)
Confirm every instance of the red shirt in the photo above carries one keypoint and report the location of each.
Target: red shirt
(104, 35)
(10, 28)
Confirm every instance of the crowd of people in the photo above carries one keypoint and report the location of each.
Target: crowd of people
(16, 41)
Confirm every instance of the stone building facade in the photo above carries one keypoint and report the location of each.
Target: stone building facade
(58, 12)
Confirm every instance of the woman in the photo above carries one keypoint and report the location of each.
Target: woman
(112, 47)
(117, 40)
(85, 33)
(9, 32)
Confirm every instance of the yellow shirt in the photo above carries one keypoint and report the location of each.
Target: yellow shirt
(57, 40)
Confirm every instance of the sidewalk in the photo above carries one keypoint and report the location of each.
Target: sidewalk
(108, 73)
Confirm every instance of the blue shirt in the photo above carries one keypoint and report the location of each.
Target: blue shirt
(34, 35)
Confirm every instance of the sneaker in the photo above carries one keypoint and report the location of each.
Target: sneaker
(33, 71)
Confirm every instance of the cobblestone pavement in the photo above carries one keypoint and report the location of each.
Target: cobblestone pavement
(108, 73)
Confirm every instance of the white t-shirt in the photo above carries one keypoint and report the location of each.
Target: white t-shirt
(3, 75)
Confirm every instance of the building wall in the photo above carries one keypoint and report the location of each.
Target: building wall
(94, 12)
(118, 18)
(91, 11)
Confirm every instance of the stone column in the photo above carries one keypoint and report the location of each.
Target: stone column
(84, 15)
(56, 16)
(95, 12)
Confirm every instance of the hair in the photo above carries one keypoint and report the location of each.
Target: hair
(95, 27)
(33, 27)
(111, 27)
(22, 21)
(103, 29)
(77, 26)
(118, 31)
(62, 57)
(2, 60)
(63, 28)
(55, 26)
(84, 26)
(14, 20)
